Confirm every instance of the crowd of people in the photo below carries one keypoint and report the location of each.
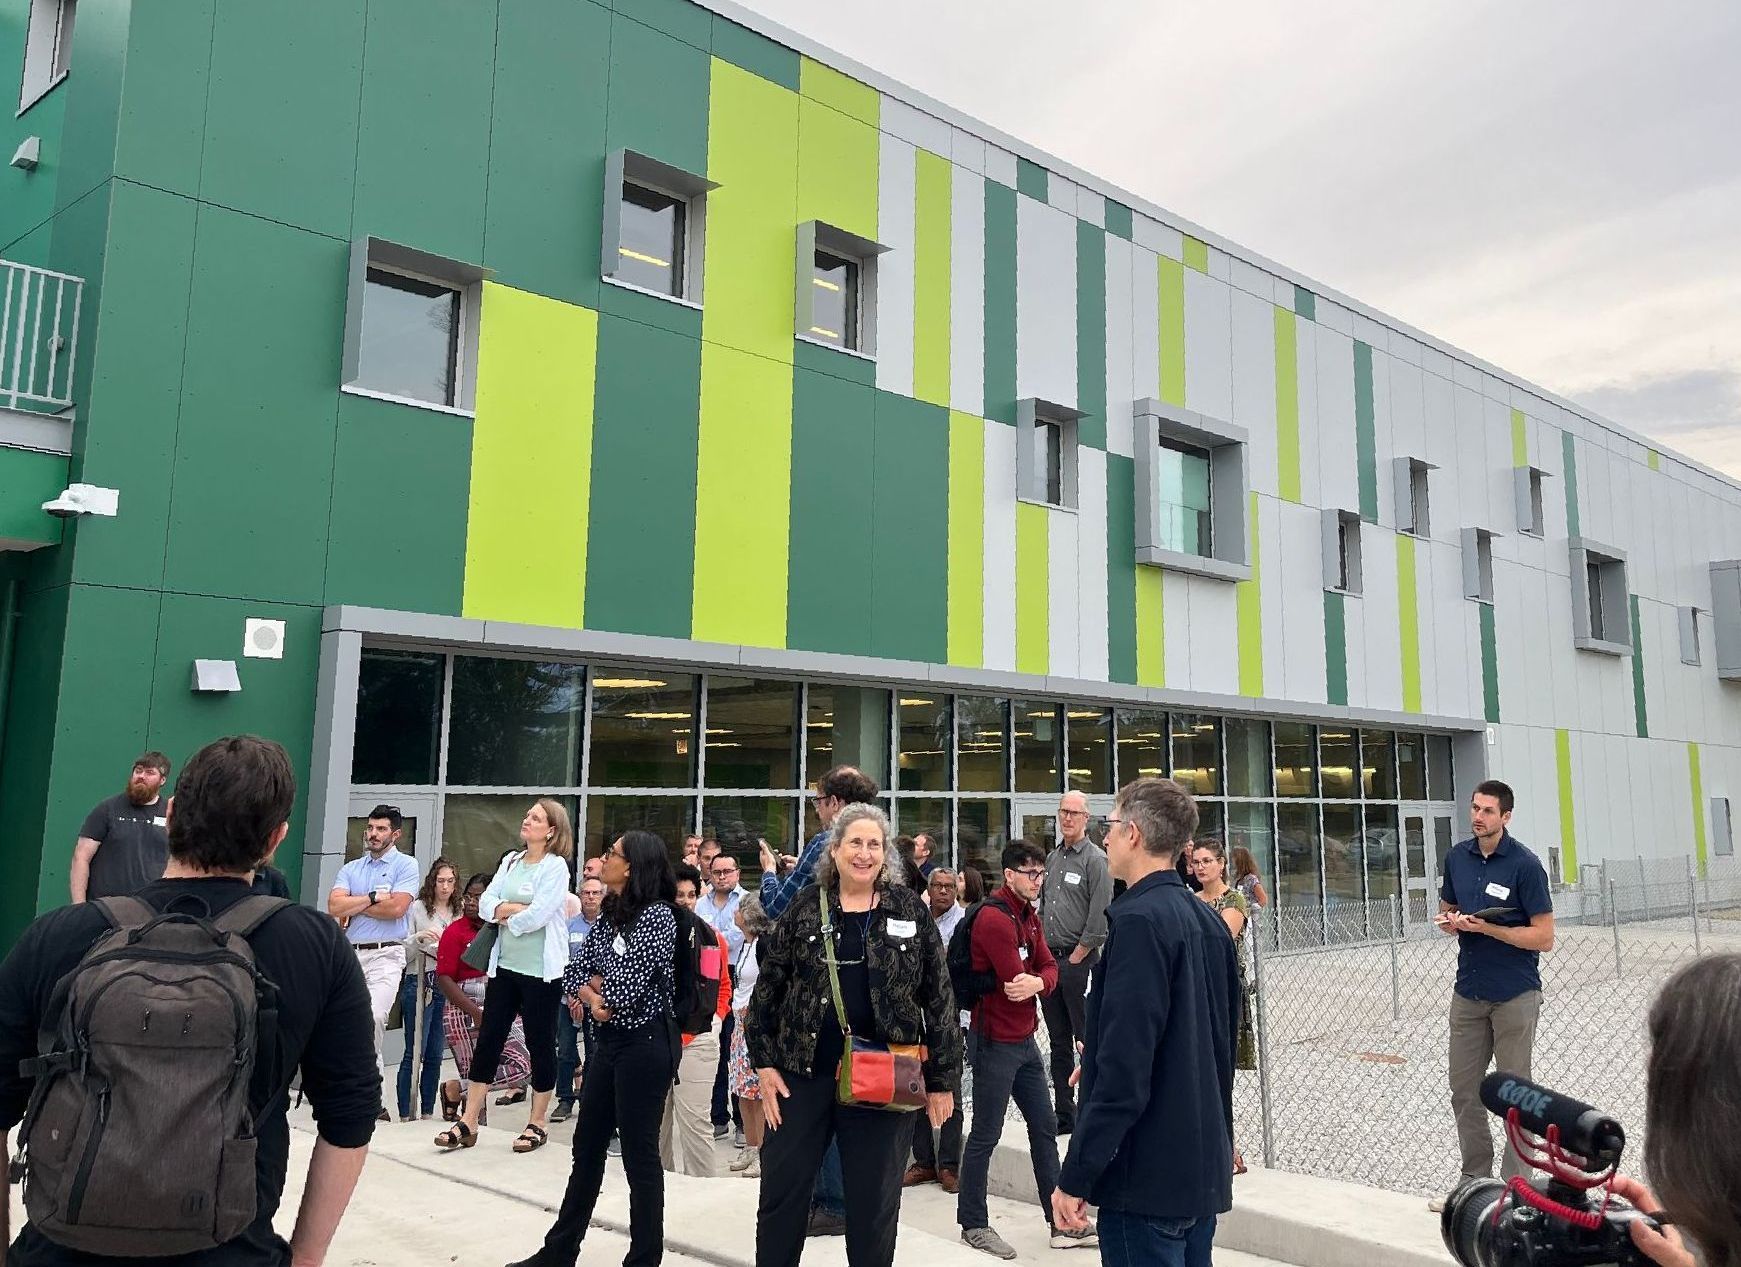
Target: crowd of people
(825, 1020)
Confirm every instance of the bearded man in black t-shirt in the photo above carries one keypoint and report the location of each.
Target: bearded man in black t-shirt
(124, 843)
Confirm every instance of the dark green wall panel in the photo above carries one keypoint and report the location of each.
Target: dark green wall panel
(910, 516)
(837, 364)
(755, 53)
(401, 482)
(1489, 664)
(281, 116)
(650, 310)
(163, 106)
(688, 22)
(93, 109)
(254, 457)
(658, 96)
(1032, 179)
(1120, 568)
(423, 142)
(1000, 302)
(545, 210)
(1091, 334)
(26, 198)
(832, 544)
(1365, 436)
(1335, 647)
(640, 564)
(32, 702)
(132, 411)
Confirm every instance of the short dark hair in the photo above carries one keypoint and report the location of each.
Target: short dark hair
(1019, 851)
(232, 797)
(972, 885)
(683, 871)
(1162, 811)
(1500, 792)
(390, 814)
(479, 877)
(849, 785)
(153, 760)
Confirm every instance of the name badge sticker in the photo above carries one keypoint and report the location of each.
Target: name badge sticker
(1024, 952)
(1499, 891)
(902, 927)
(1070, 877)
(160, 822)
(618, 945)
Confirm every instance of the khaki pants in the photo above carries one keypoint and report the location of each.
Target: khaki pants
(382, 969)
(1502, 1034)
(686, 1137)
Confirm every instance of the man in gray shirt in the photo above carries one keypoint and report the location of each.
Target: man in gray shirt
(1073, 915)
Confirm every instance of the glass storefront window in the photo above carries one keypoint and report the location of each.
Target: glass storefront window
(1439, 770)
(1251, 824)
(1211, 821)
(1344, 873)
(813, 823)
(1383, 863)
(1039, 743)
(1248, 757)
(643, 729)
(1090, 749)
(927, 814)
(398, 717)
(739, 822)
(846, 725)
(477, 830)
(751, 733)
(984, 830)
(924, 755)
(1297, 869)
(1197, 753)
(1337, 757)
(980, 728)
(670, 818)
(1411, 766)
(1296, 759)
(1142, 744)
(515, 723)
(1378, 764)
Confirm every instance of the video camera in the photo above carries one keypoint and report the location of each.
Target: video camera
(1557, 1222)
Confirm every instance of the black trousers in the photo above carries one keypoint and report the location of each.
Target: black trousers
(1065, 1011)
(510, 994)
(873, 1155)
(624, 1090)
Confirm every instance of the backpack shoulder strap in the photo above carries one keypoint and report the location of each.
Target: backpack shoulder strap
(126, 912)
(246, 916)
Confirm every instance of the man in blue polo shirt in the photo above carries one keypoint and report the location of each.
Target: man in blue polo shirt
(371, 895)
(1499, 987)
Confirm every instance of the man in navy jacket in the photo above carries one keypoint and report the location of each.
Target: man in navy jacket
(1153, 1146)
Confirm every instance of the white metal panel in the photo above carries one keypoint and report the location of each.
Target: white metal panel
(1354, 626)
(1000, 546)
(1522, 702)
(1220, 265)
(1208, 346)
(1091, 207)
(1064, 596)
(1334, 455)
(1270, 571)
(1431, 558)
(1061, 193)
(896, 196)
(1145, 329)
(1000, 165)
(1119, 331)
(1384, 452)
(967, 150)
(1408, 428)
(1333, 316)
(1045, 303)
(1091, 641)
(1176, 631)
(1300, 597)
(1151, 234)
(916, 127)
(1213, 636)
(1379, 616)
(1254, 385)
(1474, 481)
(967, 291)
(1252, 280)
(1306, 359)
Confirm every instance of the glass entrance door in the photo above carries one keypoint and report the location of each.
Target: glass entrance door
(420, 837)
(1035, 820)
(1427, 836)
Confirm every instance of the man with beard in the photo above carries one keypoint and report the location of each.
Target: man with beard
(124, 844)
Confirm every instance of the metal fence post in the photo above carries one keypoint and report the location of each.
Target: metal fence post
(1614, 923)
(1395, 967)
(1265, 1109)
(1693, 901)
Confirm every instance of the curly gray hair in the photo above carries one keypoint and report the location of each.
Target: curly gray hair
(894, 870)
(756, 921)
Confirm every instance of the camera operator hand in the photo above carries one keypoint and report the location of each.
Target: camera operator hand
(1665, 1247)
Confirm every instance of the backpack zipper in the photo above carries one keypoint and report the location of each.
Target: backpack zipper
(76, 1201)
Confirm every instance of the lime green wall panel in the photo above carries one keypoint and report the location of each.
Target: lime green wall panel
(842, 92)
(545, 211)
(1519, 439)
(1151, 629)
(966, 539)
(32, 701)
(743, 495)
(27, 479)
(755, 53)
(531, 474)
(1196, 254)
(1655, 460)
(1033, 589)
(1696, 785)
(1248, 602)
(837, 169)
(252, 482)
(751, 218)
(423, 140)
(401, 481)
(1121, 569)
(910, 515)
(161, 134)
(1091, 334)
(1287, 406)
(684, 19)
(1408, 622)
(1568, 803)
(832, 531)
(931, 286)
(93, 108)
(281, 115)
(1000, 302)
(640, 559)
(658, 96)
(1170, 284)
(132, 412)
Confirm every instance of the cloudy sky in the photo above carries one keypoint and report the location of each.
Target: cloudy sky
(1553, 185)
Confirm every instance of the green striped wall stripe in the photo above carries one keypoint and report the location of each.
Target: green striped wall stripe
(1568, 811)
(1170, 284)
(838, 174)
(1640, 714)
(910, 514)
(1032, 180)
(1569, 474)
(1118, 220)
(966, 540)
(1655, 460)
(1335, 647)
(1151, 627)
(1287, 406)
(1408, 621)
(1032, 589)
(1249, 602)
(931, 288)
(840, 92)
(1305, 304)
(1196, 254)
(1000, 302)
(833, 430)
(1696, 780)
(1122, 573)
(1519, 439)
(1489, 664)
(1365, 432)
(1091, 334)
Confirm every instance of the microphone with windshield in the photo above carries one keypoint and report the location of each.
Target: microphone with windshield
(1583, 1130)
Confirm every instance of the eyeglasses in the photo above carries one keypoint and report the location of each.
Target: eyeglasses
(615, 852)
(1072, 813)
(1033, 873)
(725, 870)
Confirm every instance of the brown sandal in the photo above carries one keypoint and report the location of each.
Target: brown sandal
(513, 1097)
(450, 1101)
(533, 1137)
(459, 1135)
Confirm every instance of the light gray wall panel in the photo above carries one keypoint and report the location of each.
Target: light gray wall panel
(1120, 388)
(1063, 554)
(1300, 589)
(1269, 542)
(1254, 385)
(1152, 235)
(1045, 303)
(1176, 630)
(967, 290)
(895, 210)
(1306, 360)
(916, 127)
(1338, 470)
(1000, 546)
(1090, 565)
(1208, 346)
(1214, 635)
(1145, 329)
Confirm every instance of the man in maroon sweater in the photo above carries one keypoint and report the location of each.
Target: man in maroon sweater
(1009, 945)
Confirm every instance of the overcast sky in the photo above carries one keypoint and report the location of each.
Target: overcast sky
(1554, 186)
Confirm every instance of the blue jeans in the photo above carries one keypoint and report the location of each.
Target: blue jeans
(432, 1045)
(1134, 1240)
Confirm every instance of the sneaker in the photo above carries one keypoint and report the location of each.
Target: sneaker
(737, 1137)
(1083, 1238)
(754, 1169)
(721, 1129)
(949, 1181)
(615, 1147)
(917, 1174)
(987, 1241)
(562, 1112)
(822, 1223)
(1437, 1205)
(744, 1160)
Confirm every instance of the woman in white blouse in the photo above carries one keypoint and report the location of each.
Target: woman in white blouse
(528, 902)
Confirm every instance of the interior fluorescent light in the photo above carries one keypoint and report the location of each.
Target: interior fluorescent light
(914, 703)
(645, 259)
(628, 683)
(658, 716)
(827, 334)
(825, 283)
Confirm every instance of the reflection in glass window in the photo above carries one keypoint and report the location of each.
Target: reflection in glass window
(1090, 749)
(1248, 757)
(1336, 752)
(980, 727)
(924, 756)
(751, 733)
(1411, 766)
(1186, 517)
(1252, 824)
(1439, 767)
(834, 303)
(1344, 873)
(984, 831)
(515, 723)
(670, 818)
(477, 830)
(927, 814)
(738, 822)
(1297, 870)
(1048, 442)
(1211, 820)
(398, 717)
(1383, 863)
(1296, 759)
(847, 725)
(643, 729)
(410, 344)
(1039, 743)
(1197, 753)
(1378, 764)
(650, 240)
(1142, 744)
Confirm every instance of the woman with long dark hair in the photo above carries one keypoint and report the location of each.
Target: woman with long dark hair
(437, 906)
(625, 977)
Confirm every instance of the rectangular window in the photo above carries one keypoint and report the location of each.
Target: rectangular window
(1191, 492)
(834, 316)
(1688, 618)
(1601, 608)
(650, 243)
(1048, 440)
(1593, 587)
(1478, 565)
(1186, 498)
(411, 338)
(48, 46)
(837, 288)
(63, 36)
(1046, 453)
(1342, 570)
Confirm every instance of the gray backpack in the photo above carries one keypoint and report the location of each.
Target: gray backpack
(139, 1137)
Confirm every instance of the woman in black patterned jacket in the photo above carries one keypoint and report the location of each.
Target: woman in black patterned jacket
(894, 982)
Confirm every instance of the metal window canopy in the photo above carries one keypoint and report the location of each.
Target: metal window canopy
(819, 235)
(1030, 480)
(661, 177)
(1478, 564)
(1336, 522)
(1726, 617)
(1406, 469)
(1616, 614)
(371, 252)
(1528, 494)
(1228, 487)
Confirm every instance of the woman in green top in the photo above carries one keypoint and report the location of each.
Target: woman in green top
(1209, 863)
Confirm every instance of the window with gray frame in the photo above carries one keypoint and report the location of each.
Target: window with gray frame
(1342, 567)
(48, 47)
(1191, 492)
(1478, 565)
(1687, 619)
(1046, 453)
(651, 239)
(655, 226)
(1413, 504)
(411, 326)
(1601, 618)
(837, 286)
(1531, 517)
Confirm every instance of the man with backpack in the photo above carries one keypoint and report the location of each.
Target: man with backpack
(703, 997)
(170, 1023)
(1003, 966)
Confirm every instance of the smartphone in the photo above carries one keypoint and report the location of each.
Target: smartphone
(1495, 912)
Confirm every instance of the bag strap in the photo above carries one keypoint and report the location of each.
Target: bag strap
(245, 917)
(126, 912)
(833, 971)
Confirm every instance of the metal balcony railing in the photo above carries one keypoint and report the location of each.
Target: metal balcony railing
(39, 337)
